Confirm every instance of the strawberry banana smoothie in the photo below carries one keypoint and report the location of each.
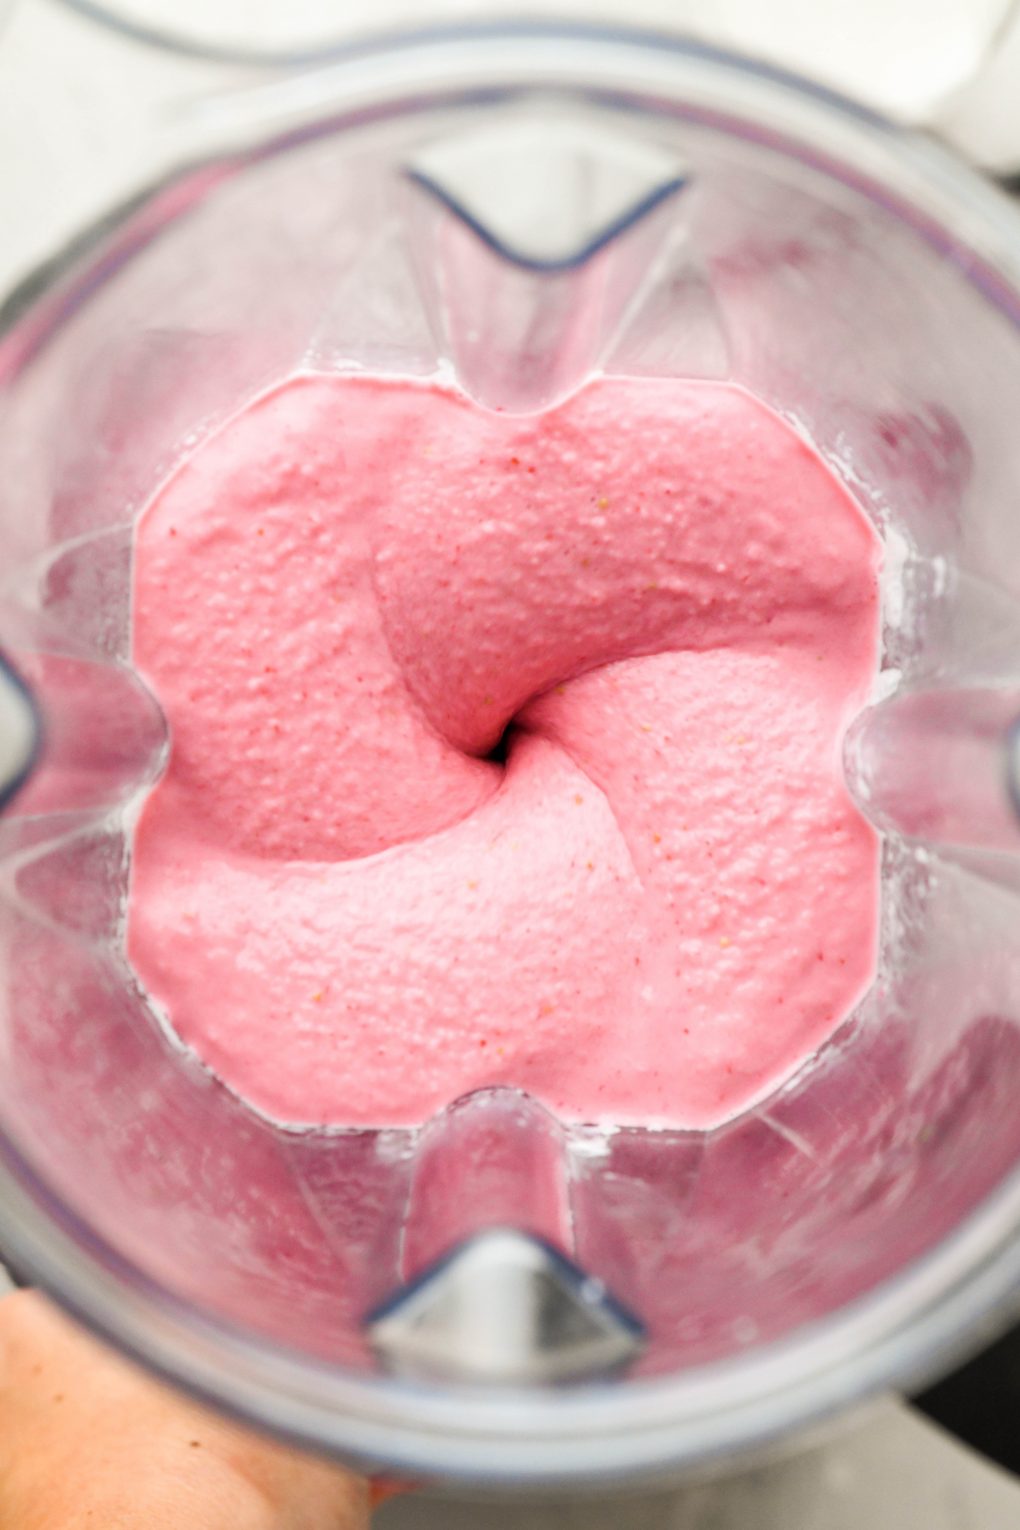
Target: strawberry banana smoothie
(504, 750)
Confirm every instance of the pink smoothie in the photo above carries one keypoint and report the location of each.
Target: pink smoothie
(657, 905)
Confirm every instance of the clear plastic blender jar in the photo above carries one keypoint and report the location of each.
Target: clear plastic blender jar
(495, 1295)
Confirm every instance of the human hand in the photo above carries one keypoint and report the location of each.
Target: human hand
(87, 1442)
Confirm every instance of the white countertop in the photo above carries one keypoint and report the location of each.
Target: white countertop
(888, 1470)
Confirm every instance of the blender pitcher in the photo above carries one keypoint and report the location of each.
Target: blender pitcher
(498, 1295)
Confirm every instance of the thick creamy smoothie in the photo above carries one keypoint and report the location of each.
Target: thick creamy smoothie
(504, 750)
